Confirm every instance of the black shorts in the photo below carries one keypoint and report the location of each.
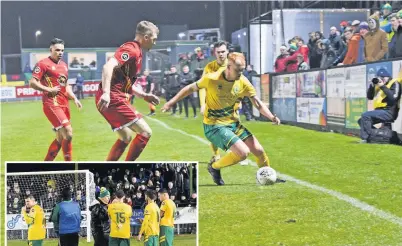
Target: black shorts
(70, 239)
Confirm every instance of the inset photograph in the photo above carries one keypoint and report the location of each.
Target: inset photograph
(92, 203)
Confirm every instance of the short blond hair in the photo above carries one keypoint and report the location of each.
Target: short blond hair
(237, 58)
(147, 28)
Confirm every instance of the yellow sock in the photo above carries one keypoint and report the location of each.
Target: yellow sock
(263, 160)
(215, 150)
(228, 160)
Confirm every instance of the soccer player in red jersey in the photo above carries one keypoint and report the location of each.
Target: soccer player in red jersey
(112, 98)
(50, 76)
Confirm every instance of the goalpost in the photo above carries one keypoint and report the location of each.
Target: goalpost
(46, 187)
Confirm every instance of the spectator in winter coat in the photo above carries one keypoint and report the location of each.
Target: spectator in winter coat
(303, 49)
(315, 53)
(328, 54)
(291, 60)
(395, 49)
(353, 40)
(384, 20)
(375, 41)
(301, 64)
(336, 42)
(280, 65)
(363, 30)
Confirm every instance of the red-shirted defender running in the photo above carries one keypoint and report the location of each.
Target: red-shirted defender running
(50, 76)
(112, 98)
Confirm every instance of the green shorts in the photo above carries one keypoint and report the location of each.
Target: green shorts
(166, 236)
(114, 241)
(151, 241)
(35, 242)
(224, 136)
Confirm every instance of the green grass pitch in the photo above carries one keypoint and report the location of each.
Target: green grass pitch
(241, 213)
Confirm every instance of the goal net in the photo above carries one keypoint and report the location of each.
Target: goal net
(46, 187)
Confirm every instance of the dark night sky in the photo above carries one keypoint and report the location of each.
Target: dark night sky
(104, 24)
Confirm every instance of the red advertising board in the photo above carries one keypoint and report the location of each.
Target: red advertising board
(26, 91)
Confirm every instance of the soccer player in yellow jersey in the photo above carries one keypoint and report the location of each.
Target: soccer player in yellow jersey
(119, 214)
(168, 210)
(222, 127)
(221, 53)
(150, 224)
(35, 219)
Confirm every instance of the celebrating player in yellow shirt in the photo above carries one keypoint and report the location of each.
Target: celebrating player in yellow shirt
(35, 219)
(222, 127)
(119, 214)
(168, 210)
(221, 54)
(150, 224)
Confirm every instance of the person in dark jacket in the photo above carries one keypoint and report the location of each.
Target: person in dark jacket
(315, 54)
(186, 78)
(395, 46)
(336, 41)
(328, 54)
(100, 224)
(386, 94)
(66, 216)
(172, 86)
(79, 83)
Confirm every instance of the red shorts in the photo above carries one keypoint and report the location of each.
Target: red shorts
(120, 113)
(58, 116)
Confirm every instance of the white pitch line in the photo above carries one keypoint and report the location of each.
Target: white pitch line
(352, 201)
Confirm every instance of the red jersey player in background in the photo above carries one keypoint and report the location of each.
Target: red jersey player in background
(50, 76)
(112, 98)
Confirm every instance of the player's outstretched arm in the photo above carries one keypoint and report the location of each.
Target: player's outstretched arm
(35, 84)
(148, 97)
(186, 91)
(264, 110)
(72, 96)
(107, 73)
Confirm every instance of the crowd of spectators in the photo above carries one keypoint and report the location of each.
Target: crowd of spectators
(377, 38)
(134, 181)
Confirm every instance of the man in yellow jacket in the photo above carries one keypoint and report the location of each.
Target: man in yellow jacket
(386, 94)
(35, 218)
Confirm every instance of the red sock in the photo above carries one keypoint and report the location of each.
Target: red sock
(136, 147)
(67, 147)
(53, 150)
(117, 150)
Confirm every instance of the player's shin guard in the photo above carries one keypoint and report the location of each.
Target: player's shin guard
(67, 147)
(136, 147)
(263, 160)
(53, 150)
(215, 150)
(117, 150)
(228, 160)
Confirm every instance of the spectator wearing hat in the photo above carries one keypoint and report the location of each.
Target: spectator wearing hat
(395, 46)
(291, 60)
(301, 64)
(100, 225)
(386, 94)
(375, 41)
(352, 53)
(363, 30)
(280, 65)
(384, 20)
(355, 26)
(343, 25)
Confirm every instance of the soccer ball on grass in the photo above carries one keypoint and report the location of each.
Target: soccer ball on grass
(266, 176)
